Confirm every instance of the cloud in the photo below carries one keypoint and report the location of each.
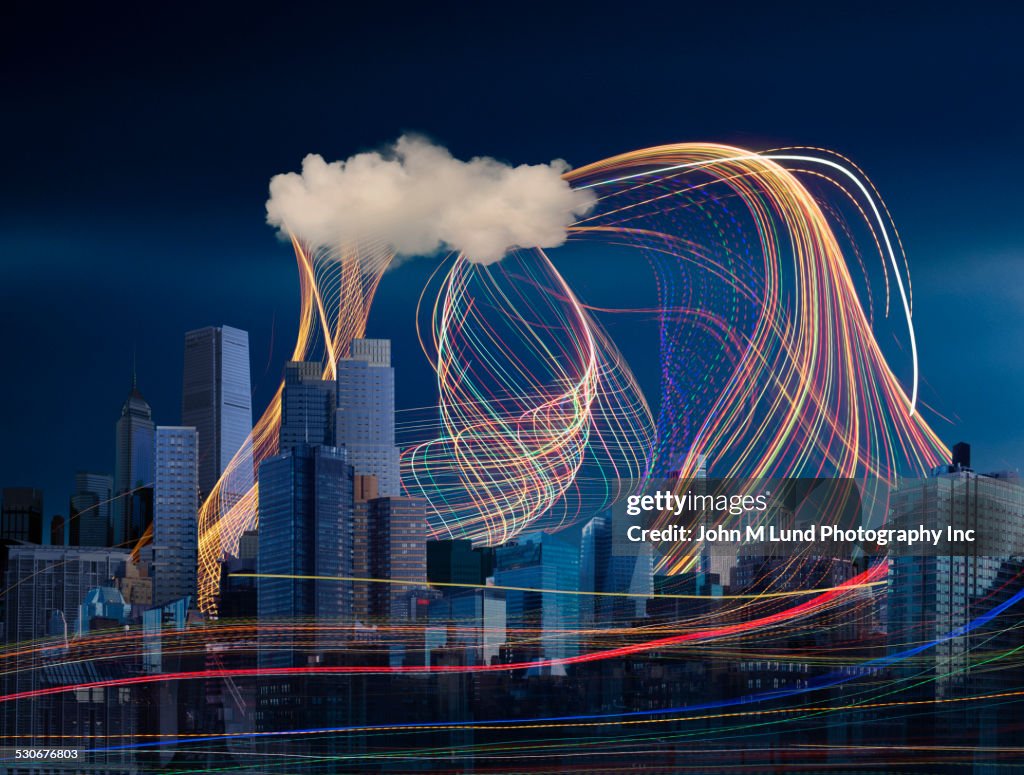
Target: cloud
(420, 199)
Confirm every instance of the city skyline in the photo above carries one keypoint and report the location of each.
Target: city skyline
(541, 602)
(561, 388)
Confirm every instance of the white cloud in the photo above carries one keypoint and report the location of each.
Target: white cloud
(419, 199)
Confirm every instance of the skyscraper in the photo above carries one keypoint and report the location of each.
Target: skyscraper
(930, 595)
(21, 514)
(949, 599)
(308, 404)
(305, 529)
(534, 564)
(175, 507)
(366, 413)
(594, 555)
(364, 490)
(216, 400)
(89, 510)
(472, 619)
(624, 581)
(133, 465)
(397, 549)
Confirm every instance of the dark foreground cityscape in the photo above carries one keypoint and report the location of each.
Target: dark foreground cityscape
(413, 654)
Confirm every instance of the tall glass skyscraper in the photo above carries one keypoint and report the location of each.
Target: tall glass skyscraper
(175, 506)
(540, 561)
(89, 510)
(308, 405)
(305, 529)
(133, 464)
(366, 413)
(216, 400)
(601, 570)
(473, 620)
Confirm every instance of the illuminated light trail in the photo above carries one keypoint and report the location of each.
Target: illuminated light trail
(530, 392)
(770, 365)
(336, 289)
(799, 610)
(641, 717)
(627, 719)
(643, 595)
(558, 722)
(808, 393)
(861, 187)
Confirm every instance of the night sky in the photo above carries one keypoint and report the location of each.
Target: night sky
(139, 145)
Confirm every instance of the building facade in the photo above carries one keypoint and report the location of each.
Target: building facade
(470, 620)
(133, 468)
(175, 514)
(46, 590)
(543, 621)
(397, 551)
(305, 529)
(216, 400)
(308, 404)
(932, 595)
(89, 510)
(365, 423)
(21, 514)
(457, 561)
(625, 582)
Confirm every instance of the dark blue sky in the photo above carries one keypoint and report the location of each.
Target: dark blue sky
(139, 144)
